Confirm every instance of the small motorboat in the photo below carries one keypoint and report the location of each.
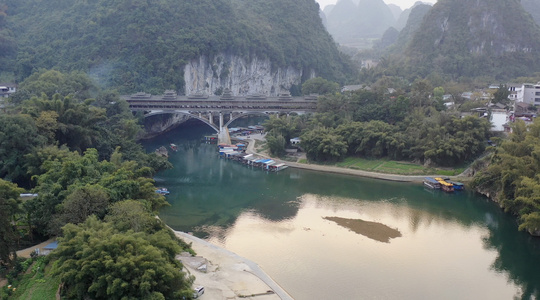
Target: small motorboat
(163, 191)
(174, 147)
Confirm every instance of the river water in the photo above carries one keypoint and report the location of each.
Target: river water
(328, 236)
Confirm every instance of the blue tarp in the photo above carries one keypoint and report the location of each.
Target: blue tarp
(51, 246)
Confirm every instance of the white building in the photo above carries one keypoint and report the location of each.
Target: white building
(529, 93)
(7, 89)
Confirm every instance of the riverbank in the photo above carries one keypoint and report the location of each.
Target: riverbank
(338, 170)
(225, 275)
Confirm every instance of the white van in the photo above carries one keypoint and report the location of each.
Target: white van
(198, 291)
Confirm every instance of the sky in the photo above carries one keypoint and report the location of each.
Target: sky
(404, 4)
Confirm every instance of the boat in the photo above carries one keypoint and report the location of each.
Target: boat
(277, 168)
(445, 185)
(458, 186)
(162, 191)
(432, 183)
(173, 147)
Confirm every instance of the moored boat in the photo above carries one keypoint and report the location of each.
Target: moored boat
(162, 191)
(445, 185)
(458, 186)
(432, 183)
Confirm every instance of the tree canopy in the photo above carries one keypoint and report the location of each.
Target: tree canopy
(511, 176)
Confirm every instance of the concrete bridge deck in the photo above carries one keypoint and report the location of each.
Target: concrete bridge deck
(227, 109)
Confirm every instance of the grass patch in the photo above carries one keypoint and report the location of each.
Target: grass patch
(36, 283)
(392, 167)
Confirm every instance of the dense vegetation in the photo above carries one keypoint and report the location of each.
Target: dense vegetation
(510, 175)
(404, 126)
(463, 39)
(142, 45)
(94, 189)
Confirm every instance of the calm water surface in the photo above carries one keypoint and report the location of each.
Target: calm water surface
(458, 246)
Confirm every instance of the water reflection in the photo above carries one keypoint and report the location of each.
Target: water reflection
(452, 246)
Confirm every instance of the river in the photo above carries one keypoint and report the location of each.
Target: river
(328, 236)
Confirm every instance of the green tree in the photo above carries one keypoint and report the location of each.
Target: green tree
(18, 137)
(511, 176)
(83, 202)
(9, 206)
(322, 144)
(70, 181)
(501, 95)
(276, 143)
(97, 261)
(319, 86)
(131, 215)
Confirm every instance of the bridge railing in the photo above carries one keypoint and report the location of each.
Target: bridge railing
(231, 105)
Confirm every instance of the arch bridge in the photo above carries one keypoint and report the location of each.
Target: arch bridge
(219, 112)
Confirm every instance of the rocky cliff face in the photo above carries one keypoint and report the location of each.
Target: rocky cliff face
(242, 77)
(155, 125)
(476, 38)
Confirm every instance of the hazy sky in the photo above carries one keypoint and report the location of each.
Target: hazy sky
(404, 4)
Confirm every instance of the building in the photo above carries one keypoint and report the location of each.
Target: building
(7, 89)
(514, 90)
(529, 93)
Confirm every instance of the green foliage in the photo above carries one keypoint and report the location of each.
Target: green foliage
(69, 118)
(141, 45)
(276, 143)
(18, 137)
(501, 95)
(131, 215)
(511, 177)
(319, 86)
(77, 85)
(77, 186)
(454, 40)
(97, 261)
(444, 139)
(323, 144)
(9, 206)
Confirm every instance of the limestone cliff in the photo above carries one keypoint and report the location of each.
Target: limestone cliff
(155, 125)
(242, 77)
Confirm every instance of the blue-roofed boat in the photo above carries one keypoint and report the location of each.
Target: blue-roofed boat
(458, 186)
(432, 183)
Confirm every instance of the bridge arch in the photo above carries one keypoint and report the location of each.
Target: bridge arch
(162, 112)
(243, 114)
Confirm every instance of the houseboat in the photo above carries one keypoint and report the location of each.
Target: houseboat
(445, 185)
(432, 183)
(458, 186)
(277, 168)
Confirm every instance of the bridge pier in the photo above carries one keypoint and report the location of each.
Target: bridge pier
(210, 118)
(223, 136)
(220, 121)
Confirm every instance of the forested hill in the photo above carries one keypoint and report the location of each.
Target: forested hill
(138, 44)
(476, 37)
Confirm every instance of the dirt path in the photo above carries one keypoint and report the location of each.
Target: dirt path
(26, 252)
